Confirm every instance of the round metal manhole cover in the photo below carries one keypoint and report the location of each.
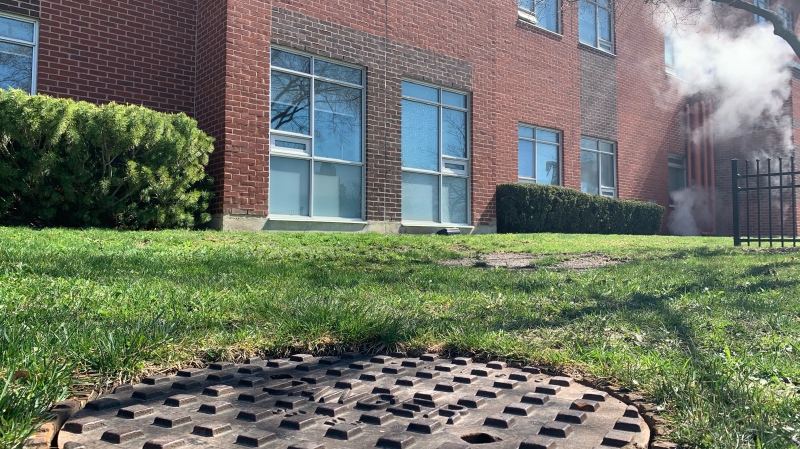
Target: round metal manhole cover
(352, 401)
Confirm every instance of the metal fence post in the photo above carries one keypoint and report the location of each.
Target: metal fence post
(737, 232)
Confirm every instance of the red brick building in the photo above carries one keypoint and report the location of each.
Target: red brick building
(376, 115)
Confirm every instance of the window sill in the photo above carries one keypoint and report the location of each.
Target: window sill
(432, 224)
(529, 20)
(292, 218)
(597, 50)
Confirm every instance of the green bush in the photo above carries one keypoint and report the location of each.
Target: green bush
(76, 164)
(525, 208)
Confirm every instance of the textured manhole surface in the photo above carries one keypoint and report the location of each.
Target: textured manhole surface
(351, 401)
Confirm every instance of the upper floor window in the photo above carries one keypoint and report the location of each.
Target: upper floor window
(598, 167)
(316, 138)
(543, 12)
(596, 24)
(786, 15)
(435, 154)
(18, 39)
(763, 4)
(669, 55)
(539, 151)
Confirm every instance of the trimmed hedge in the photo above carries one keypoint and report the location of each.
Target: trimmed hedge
(76, 164)
(527, 208)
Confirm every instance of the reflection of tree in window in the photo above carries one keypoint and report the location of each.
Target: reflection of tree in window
(337, 121)
(16, 66)
(290, 103)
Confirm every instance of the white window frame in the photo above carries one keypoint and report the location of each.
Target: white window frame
(786, 15)
(536, 148)
(530, 16)
(443, 159)
(763, 4)
(607, 191)
(669, 55)
(308, 140)
(34, 45)
(609, 47)
(677, 161)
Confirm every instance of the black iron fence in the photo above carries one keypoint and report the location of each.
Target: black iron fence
(765, 203)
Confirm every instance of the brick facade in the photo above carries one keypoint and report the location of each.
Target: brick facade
(211, 59)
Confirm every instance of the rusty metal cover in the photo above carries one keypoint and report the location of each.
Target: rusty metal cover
(352, 401)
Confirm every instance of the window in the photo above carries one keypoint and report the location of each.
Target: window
(316, 138)
(539, 151)
(763, 4)
(596, 24)
(598, 167)
(786, 15)
(669, 55)
(18, 39)
(677, 173)
(543, 13)
(435, 154)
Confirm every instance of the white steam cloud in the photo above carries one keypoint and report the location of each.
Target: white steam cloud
(745, 71)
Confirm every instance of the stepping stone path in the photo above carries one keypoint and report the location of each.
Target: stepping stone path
(353, 401)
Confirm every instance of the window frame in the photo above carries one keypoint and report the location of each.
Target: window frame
(763, 4)
(559, 152)
(677, 161)
(612, 35)
(309, 139)
(34, 45)
(786, 15)
(669, 56)
(530, 16)
(600, 188)
(442, 159)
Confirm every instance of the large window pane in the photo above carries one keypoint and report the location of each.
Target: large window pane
(16, 66)
(291, 61)
(547, 164)
(290, 103)
(526, 159)
(337, 190)
(16, 29)
(337, 72)
(337, 121)
(420, 197)
(420, 91)
(454, 196)
(289, 186)
(604, 19)
(587, 23)
(547, 14)
(607, 170)
(420, 136)
(454, 137)
(589, 175)
(677, 179)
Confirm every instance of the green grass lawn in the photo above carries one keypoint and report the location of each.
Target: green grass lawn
(709, 332)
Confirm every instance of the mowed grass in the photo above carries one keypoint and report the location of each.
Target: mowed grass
(708, 332)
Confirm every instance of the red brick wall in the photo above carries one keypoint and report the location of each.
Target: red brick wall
(22, 7)
(245, 153)
(139, 52)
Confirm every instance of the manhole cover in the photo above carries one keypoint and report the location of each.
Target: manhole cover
(306, 402)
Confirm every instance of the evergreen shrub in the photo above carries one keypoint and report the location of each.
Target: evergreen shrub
(75, 164)
(528, 208)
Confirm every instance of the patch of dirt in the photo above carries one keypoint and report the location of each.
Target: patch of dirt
(525, 261)
(588, 262)
(499, 259)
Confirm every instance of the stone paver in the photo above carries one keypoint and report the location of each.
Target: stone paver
(356, 402)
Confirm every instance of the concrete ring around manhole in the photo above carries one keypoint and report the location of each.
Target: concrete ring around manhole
(354, 401)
